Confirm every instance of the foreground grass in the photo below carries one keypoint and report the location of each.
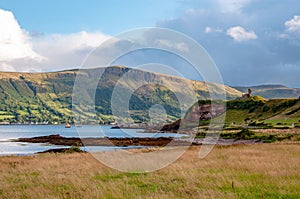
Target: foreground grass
(244, 171)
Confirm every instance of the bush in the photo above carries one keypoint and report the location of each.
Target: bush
(260, 124)
(283, 105)
(251, 103)
(270, 139)
(266, 108)
(233, 128)
(252, 109)
(244, 134)
(247, 119)
(282, 127)
(74, 149)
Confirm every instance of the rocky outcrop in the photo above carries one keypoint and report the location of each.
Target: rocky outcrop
(63, 150)
(64, 141)
(197, 113)
(173, 127)
(205, 112)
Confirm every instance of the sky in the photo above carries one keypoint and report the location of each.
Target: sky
(252, 42)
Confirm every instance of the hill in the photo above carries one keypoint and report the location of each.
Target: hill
(272, 91)
(252, 112)
(47, 97)
(257, 111)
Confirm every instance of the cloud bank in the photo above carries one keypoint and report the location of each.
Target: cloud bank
(20, 51)
(252, 42)
(14, 42)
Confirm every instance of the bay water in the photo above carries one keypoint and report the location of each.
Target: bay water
(11, 132)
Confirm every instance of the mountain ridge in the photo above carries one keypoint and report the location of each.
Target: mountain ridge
(242, 88)
(47, 97)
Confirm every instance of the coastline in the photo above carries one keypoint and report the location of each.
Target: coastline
(43, 139)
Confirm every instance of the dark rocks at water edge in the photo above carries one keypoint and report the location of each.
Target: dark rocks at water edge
(63, 150)
(74, 141)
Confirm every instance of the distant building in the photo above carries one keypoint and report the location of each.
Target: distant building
(205, 112)
(245, 95)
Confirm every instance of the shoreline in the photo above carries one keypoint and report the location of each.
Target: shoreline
(227, 138)
(75, 143)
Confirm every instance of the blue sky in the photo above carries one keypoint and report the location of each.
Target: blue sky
(69, 16)
(251, 41)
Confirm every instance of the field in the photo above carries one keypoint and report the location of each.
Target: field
(241, 171)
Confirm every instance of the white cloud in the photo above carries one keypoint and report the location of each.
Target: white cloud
(6, 67)
(239, 34)
(14, 42)
(293, 25)
(212, 30)
(232, 6)
(19, 51)
(172, 45)
(67, 50)
(208, 29)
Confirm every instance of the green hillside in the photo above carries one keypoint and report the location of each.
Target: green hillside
(47, 97)
(255, 112)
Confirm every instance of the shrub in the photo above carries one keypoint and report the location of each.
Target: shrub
(244, 134)
(282, 127)
(74, 149)
(266, 108)
(260, 124)
(252, 109)
(271, 138)
(247, 119)
(283, 105)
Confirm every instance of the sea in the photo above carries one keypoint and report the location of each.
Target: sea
(8, 133)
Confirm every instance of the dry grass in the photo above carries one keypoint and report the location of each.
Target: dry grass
(245, 171)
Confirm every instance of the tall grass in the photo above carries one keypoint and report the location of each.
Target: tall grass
(244, 171)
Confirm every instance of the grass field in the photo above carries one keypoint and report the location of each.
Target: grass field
(243, 171)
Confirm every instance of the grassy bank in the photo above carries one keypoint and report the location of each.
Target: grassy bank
(244, 171)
